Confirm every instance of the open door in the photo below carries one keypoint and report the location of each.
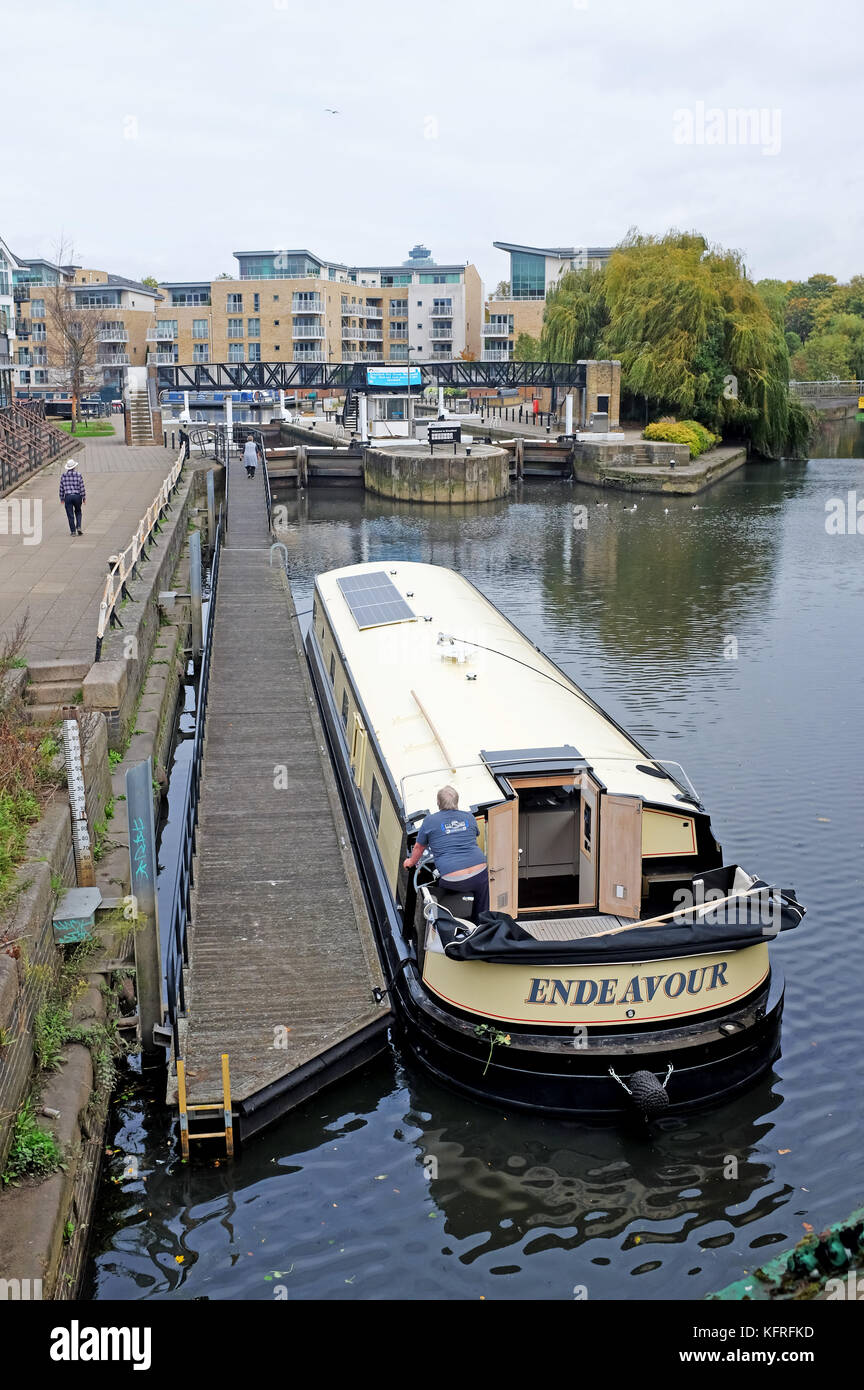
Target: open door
(502, 852)
(589, 839)
(621, 855)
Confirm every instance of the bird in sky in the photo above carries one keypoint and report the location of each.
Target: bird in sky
(331, 110)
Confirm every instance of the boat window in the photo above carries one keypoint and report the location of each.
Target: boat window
(345, 708)
(332, 668)
(375, 803)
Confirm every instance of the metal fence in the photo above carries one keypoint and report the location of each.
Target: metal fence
(27, 442)
(176, 929)
(125, 565)
(816, 390)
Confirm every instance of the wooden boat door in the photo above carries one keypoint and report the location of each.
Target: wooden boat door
(589, 838)
(502, 853)
(621, 855)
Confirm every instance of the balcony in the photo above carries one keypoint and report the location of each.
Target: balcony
(361, 311)
(113, 335)
(372, 335)
(362, 357)
(308, 330)
(496, 355)
(22, 328)
(313, 355)
(20, 293)
(398, 335)
(159, 359)
(307, 306)
(161, 335)
(114, 359)
(442, 334)
(441, 311)
(24, 360)
(497, 330)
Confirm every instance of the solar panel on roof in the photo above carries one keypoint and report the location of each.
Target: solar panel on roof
(374, 599)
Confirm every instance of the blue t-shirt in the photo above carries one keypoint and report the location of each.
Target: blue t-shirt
(452, 838)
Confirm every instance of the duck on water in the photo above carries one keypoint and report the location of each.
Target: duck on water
(620, 961)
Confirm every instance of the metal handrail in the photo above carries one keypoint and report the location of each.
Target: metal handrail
(125, 564)
(177, 945)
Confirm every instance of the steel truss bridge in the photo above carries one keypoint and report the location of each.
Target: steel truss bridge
(351, 376)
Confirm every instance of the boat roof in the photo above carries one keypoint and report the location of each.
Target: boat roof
(434, 716)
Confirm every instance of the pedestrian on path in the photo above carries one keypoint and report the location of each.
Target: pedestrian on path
(250, 457)
(73, 495)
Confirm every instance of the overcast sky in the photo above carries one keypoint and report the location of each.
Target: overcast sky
(161, 137)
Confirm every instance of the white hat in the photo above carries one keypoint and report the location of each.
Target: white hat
(70, 463)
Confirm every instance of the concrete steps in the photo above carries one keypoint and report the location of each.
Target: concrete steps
(52, 685)
(56, 692)
(140, 418)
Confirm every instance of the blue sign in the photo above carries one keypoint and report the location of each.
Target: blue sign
(393, 376)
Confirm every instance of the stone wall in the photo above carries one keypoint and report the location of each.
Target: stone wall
(443, 477)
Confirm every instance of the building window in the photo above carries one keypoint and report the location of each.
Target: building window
(200, 328)
(375, 803)
(25, 378)
(200, 352)
(256, 302)
(235, 352)
(527, 275)
(275, 323)
(40, 378)
(333, 669)
(254, 352)
(37, 308)
(235, 304)
(235, 328)
(450, 278)
(166, 328)
(190, 297)
(254, 327)
(345, 708)
(398, 308)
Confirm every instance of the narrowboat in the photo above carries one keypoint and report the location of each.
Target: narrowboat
(620, 964)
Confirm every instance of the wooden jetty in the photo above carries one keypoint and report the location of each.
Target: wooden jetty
(283, 973)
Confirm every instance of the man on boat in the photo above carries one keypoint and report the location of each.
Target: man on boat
(451, 835)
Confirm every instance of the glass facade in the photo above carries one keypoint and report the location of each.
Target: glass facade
(450, 277)
(190, 296)
(277, 265)
(527, 275)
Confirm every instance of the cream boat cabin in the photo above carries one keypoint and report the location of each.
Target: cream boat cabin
(616, 942)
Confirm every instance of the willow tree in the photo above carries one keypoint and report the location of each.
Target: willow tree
(694, 336)
(575, 317)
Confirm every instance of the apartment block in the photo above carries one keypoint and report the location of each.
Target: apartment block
(294, 306)
(123, 310)
(8, 265)
(534, 271)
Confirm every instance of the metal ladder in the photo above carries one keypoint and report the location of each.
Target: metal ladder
(227, 1133)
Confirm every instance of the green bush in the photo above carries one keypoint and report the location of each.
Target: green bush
(33, 1150)
(689, 432)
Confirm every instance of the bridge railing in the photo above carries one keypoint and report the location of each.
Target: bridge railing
(816, 390)
(125, 565)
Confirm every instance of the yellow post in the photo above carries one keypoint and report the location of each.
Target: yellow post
(226, 1102)
(181, 1101)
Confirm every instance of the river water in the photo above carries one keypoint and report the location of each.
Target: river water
(725, 632)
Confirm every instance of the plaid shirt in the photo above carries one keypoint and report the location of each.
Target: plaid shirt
(72, 486)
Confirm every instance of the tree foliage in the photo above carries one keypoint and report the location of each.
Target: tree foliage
(527, 349)
(694, 336)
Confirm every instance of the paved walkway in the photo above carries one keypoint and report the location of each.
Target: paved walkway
(57, 579)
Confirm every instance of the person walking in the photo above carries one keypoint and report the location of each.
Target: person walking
(250, 457)
(184, 441)
(451, 835)
(73, 495)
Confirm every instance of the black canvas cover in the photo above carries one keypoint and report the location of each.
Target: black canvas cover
(499, 938)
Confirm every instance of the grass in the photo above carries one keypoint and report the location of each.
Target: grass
(27, 771)
(34, 1150)
(93, 429)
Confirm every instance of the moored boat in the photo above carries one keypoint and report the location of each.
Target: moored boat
(620, 962)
